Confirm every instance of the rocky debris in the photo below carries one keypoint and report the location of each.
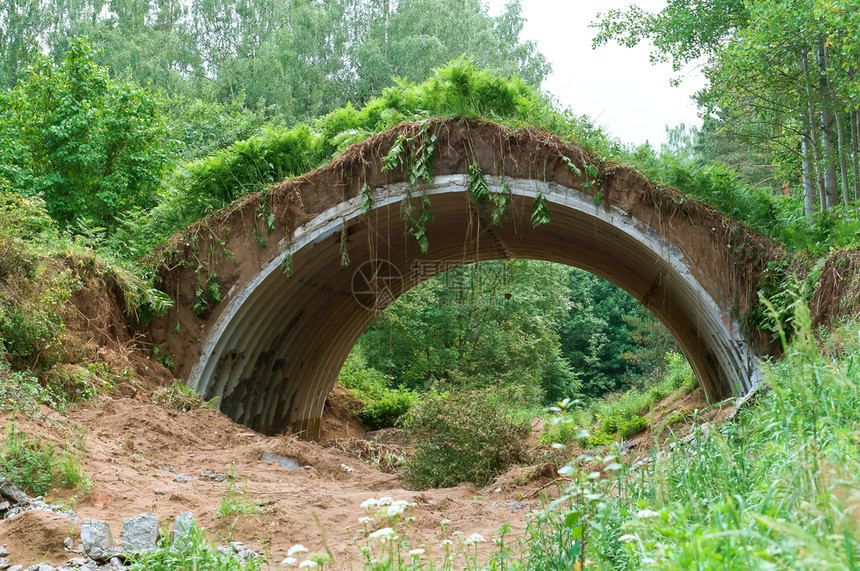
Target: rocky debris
(286, 463)
(213, 476)
(183, 479)
(238, 550)
(12, 500)
(140, 532)
(97, 538)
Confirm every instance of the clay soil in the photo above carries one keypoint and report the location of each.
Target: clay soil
(133, 450)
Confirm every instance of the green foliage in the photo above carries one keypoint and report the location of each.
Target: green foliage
(609, 337)
(463, 437)
(24, 392)
(493, 323)
(34, 465)
(28, 462)
(193, 553)
(387, 410)
(775, 488)
(206, 294)
(276, 153)
(383, 406)
(32, 300)
(90, 145)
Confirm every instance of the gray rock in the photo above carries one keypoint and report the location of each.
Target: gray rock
(287, 463)
(140, 531)
(16, 568)
(97, 538)
(4, 563)
(12, 494)
(69, 543)
(76, 562)
(3, 551)
(115, 562)
(40, 567)
(182, 479)
(182, 529)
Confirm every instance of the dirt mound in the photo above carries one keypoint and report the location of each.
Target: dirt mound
(338, 420)
(37, 536)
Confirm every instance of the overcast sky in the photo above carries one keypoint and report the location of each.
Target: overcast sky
(617, 87)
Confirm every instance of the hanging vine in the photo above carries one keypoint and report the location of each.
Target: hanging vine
(416, 155)
(287, 262)
(540, 211)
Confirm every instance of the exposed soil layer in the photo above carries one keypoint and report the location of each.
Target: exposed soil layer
(838, 293)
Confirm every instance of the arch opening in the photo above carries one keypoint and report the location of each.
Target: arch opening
(274, 351)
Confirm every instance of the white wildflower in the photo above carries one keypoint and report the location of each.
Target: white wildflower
(365, 520)
(289, 561)
(645, 514)
(345, 468)
(308, 563)
(367, 504)
(297, 548)
(445, 542)
(475, 538)
(627, 538)
(414, 552)
(396, 508)
(383, 534)
(385, 501)
(444, 522)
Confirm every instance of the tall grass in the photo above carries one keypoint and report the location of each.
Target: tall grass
(778, 488)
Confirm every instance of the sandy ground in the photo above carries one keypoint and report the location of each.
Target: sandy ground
(134, 451)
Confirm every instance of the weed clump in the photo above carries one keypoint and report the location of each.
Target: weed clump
(34, 465)
(462, 438)
(179, 396)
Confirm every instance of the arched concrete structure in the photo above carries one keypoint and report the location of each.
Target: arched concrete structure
(272, 348)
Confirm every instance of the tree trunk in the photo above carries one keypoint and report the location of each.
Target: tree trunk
(809, 195)
(843, 165)
(815, 164)
(855, 147)
(828, 133)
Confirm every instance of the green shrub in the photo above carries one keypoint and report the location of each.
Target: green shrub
(462, 438)
(24, 392)
(27, 462)
(387, 410)
(630, 425)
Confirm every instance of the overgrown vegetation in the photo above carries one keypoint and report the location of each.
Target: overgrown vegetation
(462, 437)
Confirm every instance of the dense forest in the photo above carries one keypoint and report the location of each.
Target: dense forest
(123, 122)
